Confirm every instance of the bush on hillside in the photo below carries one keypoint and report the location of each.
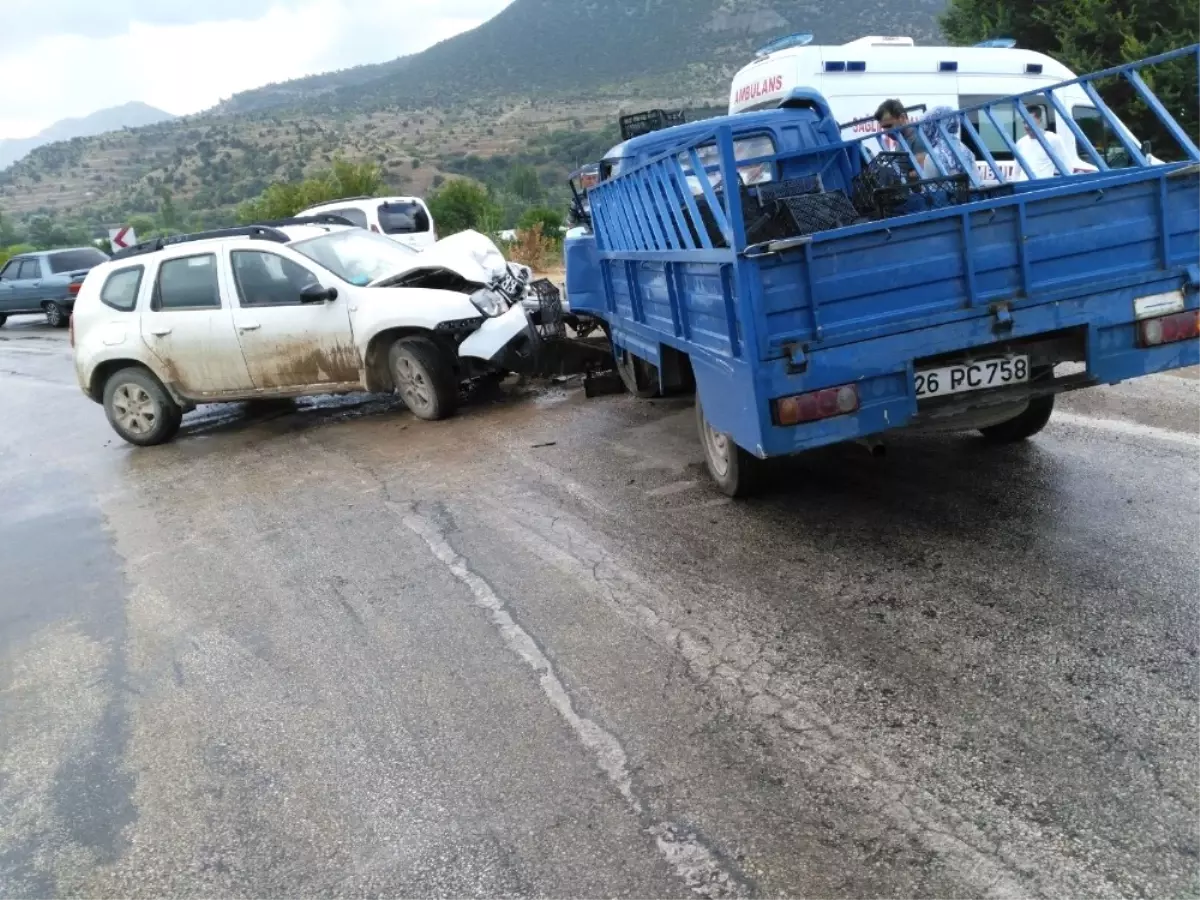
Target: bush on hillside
(461, 205)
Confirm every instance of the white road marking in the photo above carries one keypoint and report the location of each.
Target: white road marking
(668, 490)
(694, 863)
(1130, 429)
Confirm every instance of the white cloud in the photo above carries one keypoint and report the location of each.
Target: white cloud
(185, 57)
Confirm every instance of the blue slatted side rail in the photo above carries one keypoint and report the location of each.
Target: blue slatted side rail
(909, 140)
(669, 206)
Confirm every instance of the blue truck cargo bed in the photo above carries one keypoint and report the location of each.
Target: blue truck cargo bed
(843, 333)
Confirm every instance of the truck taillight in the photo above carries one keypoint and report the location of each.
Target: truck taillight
(824, 404)
(1184, 326)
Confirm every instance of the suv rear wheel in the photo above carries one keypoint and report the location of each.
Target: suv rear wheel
(424, 378)
(139, 408)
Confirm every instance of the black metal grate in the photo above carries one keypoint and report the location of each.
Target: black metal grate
(637, 124)
(549, 324)
(792, 187)
(819, 212)
(922, 196)
(885, 170)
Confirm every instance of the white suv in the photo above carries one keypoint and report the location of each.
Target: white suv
(406, 220)
(298, 307)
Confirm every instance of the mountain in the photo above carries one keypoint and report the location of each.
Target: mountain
(128, 115)
(542, 83)
(568, 47)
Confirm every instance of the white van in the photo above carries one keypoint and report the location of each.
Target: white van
(857, 77)
(406, 220)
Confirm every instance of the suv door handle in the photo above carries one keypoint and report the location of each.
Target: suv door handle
(160, 332)
(249, 326)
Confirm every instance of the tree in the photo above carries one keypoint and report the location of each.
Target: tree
(45, 233)
(551, 220)
(523, 181)
(1089, 35)
(284, 198)
(8, 234)
(168, 215)
(461, 205)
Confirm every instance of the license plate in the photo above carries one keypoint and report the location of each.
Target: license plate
(974, 376)
(509, 286)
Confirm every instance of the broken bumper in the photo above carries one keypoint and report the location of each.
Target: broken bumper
(509, 342)
(520, 340)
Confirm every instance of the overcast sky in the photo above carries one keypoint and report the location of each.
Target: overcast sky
(61, 58)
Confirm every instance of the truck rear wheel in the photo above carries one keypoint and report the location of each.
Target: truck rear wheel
(736, 472)
(1024, 426)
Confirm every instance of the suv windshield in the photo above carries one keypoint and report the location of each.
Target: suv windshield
(356, 256)
(403, 217)
(74, 260)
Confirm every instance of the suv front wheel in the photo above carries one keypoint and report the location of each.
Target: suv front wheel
(424, 378)
(139, 408)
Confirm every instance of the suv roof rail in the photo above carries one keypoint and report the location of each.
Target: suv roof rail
(348, 199)
(314, 219)
(256, 232)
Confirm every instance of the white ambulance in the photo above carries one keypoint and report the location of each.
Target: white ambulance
(856, 77)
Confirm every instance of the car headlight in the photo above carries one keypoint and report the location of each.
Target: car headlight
(489, 302)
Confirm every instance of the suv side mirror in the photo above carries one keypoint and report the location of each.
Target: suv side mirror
(316, 293)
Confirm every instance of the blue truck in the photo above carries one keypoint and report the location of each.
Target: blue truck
(839, 292)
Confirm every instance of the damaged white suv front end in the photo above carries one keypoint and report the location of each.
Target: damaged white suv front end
(520, 314)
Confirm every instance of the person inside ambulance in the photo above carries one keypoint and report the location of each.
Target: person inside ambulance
(1035, 154)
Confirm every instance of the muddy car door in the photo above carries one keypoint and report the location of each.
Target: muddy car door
(295, 333)
(189, 328)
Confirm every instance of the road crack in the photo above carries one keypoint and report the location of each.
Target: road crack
(697, 865)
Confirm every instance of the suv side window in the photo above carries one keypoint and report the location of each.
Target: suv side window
(10, 271)
(121, 289)
(31, 270)
(188, 282)
(357, 216)
(266, 279)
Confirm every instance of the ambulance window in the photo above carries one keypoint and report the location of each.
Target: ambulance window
(1006, 117)
(1092, 124)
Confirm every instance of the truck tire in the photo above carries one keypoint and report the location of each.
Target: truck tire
(639, 377)
(736, 472)
(1024, 426)
(424, 378)
(56, 316)
(139, 408)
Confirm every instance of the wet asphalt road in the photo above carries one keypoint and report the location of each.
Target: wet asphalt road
(329, 650)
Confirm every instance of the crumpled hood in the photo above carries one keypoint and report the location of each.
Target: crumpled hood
(472, 255)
